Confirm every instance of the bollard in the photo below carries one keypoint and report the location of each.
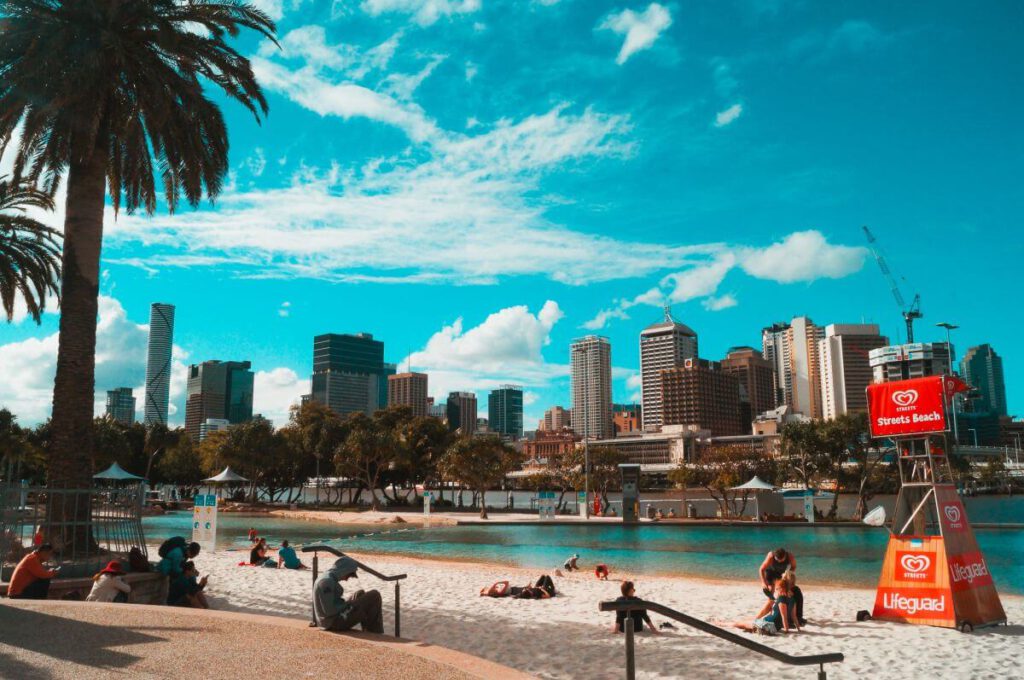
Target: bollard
(312, 613)
(630, 655)
(398, 609)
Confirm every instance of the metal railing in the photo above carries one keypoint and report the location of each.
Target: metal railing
(317, 549)
(634, 605)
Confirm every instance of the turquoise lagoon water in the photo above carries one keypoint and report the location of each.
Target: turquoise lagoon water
(847, 556)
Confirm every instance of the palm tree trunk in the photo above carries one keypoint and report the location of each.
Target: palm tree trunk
(71, 445)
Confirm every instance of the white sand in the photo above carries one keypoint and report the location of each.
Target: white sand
(567, 637)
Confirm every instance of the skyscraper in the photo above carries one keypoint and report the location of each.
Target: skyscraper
(845, 369)
(121, 405)
(756, 377)
(505, 411)
(461, 412)
(792, 348)
(982, 368)
(221, 390)
(591, 377)
(701, 396)
(349, 373)
(666, 344)
(408, 389)
(158, 363)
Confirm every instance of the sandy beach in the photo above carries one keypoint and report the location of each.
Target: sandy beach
(567, 637)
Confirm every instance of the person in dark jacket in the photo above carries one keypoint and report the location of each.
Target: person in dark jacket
(334, 612)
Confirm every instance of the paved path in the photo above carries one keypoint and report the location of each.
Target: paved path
(44, 640)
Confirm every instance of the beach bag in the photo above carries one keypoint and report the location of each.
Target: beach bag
(170, 544)
(137, 561)
(270, 563)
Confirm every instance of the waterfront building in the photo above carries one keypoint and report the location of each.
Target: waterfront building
(982, 369)
(591, 386)
(792, 349)
(505, 411)
(211, 425)
(656, 451)
(845, 371)
(158, 363)
(555, 419)
(756, 378)
(221, 390)
(701, 396)
(626, 418)
(410, 390)
(902, 362)
(663, 345)
(548, 447)
(349, 373)
(121, 405)
(461, 412)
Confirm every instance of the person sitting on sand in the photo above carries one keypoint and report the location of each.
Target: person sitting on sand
(175, 551)
(639, 616)
(31, 580)
(775, 564)
(108, 585)
(782, 615)
(288, 558)
(258, 555)
(671, 513)
(570, 564)
(187, 590)
(601, 572)
(335, 613)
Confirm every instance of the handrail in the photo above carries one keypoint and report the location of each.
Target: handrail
(632, 605)
(319, 547)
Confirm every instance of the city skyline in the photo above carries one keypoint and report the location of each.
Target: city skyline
(636, 172)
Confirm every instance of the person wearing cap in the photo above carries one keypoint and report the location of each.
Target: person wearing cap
(334, 612)
(108, 585)
(31, 579)
(570, 564)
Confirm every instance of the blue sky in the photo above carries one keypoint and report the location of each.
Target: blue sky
(477, 182)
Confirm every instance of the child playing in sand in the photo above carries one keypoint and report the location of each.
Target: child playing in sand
(601, 572)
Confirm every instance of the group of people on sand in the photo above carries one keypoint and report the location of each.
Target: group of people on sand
(259, 555)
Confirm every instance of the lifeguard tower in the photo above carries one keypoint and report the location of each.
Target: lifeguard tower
(934, 573)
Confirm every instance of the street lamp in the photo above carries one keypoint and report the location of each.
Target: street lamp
(949, 353)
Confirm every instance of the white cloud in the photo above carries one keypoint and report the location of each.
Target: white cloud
(802, 256)
(697, 282)
(603, 317)
(856, 36)
(256, 163)
(423, 12)
(641, 29)
(285, 309)
(717, 304)
(729, 115)
(505, 348)
(275, 391)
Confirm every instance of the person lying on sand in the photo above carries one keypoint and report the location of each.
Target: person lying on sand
(544, 589)
(639, 616)
(782, 616)
(775, 564)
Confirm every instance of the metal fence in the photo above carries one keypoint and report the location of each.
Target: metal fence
(86, 527)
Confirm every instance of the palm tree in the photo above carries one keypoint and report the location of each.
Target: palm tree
(109, 96)
(29, 250)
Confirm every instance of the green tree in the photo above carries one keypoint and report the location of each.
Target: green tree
(29, 250)
(425, 440)
(721, 468)
(370, 447)
(803, 452)
(316, 432)
(110, 96)
(254, 450)
(111, 444)
(181, 465)
(481, 463)
(605, 475)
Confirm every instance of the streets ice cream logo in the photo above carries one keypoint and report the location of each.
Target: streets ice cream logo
(915, 567)
(904, 399)
(953, 516)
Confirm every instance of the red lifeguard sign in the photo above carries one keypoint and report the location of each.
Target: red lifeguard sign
(934, 573)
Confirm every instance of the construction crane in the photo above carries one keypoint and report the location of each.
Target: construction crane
(911, 312)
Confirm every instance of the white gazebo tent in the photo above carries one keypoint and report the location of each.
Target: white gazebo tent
(766, 498)
(226, 477)
(116, 473)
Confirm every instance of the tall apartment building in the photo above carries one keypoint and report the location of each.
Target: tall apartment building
(555, 419)
(349, 373)
(792, 349)
(982, 368)
(158, 363)
(121, 405)
(902, 362)
(409, 389)
(505, 411)
(666, 344)
(222, 390)
(461, 412)
(591, 377)
(756, 377)
(845, 368)
(699, 395)
(626, 418)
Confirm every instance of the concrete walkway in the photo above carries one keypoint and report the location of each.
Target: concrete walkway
(44, 640)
